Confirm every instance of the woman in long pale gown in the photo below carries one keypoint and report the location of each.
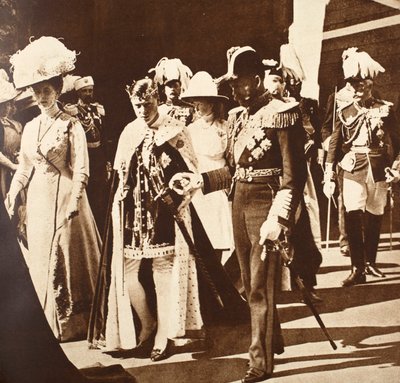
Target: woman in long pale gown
(62, 237)
(209, 134)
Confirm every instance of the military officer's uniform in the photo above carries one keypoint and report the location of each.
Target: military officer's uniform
(91, 117)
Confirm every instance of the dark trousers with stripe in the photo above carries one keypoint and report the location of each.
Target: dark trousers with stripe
(251, 204)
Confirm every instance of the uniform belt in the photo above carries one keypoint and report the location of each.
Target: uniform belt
(247, 174)
(92, 145)
(360, 149)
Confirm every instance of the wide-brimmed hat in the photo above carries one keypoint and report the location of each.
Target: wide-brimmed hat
(7, 89)
(202, 85)
(359, 65)
(242, 61)
(40, 60)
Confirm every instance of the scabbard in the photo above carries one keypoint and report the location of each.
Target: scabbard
(287, 260)
(169, 202)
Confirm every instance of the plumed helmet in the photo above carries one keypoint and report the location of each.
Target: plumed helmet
(290, 63)
(359, 65)
(41, 60)
(171, 69)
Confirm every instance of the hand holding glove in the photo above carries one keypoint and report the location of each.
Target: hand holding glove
(186, 183)
(9, 203)
(329, 184)
(392, 175)
(270, 229)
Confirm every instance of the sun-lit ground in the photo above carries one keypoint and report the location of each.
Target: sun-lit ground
(364, 322)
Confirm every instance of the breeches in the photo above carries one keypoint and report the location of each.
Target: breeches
(365, 195)
(161, 264)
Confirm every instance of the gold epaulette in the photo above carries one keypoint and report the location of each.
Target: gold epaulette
(277, 114)
(236, 110)
(100, 109)
(71, 109)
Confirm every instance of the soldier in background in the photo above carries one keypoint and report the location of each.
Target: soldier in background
(364, 142)
(172, 78)
(91, 115)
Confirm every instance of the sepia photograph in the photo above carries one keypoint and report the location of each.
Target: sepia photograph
(199, 191)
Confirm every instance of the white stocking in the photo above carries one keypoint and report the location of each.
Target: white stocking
(137, 297)
(162, 279)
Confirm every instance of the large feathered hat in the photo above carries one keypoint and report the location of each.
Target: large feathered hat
(7, 90)
(41, 60)
(359, 65)
(171, 69)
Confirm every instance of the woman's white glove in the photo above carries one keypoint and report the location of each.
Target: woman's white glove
(270, 229)
(9, 203)
(186, 183)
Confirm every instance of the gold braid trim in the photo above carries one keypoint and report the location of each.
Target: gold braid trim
(277, 120)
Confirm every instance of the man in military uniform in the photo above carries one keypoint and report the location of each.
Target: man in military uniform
(91, 115)
(266, 143)
(172, 78)
(366, 140)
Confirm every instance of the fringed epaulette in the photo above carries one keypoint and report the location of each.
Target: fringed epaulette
(71, 109)
(67, 117)
(100, 109)
(277, 115)
(236, 110)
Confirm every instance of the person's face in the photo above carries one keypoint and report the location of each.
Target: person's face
(45, 94)
(7, 109)
(245, 89)
(146, 110)
(86, 94)
(172, 90)
(362, 89)
(275, 85)
(203, 107)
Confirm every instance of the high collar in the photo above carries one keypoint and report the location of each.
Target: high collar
(259, 102)
(367, 103)
(209, 118)
(50, 112)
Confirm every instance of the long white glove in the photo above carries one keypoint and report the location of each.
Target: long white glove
(15, 187)
(186, 183)
(329, 184)
(270, 229)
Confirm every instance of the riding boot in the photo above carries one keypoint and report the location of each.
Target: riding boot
(372, 233)
(354, 225)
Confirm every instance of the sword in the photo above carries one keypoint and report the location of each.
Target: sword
(165, 193)
(282, 247)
